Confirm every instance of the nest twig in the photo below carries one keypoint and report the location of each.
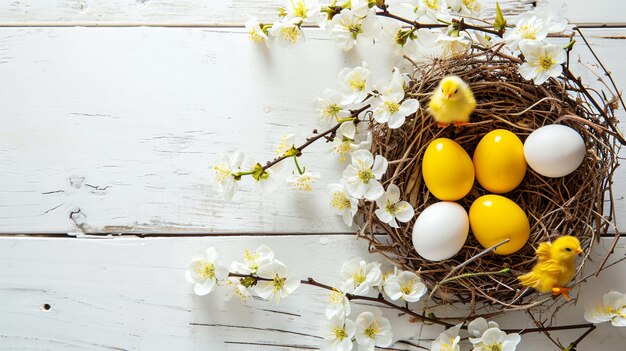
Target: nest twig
(571, 205)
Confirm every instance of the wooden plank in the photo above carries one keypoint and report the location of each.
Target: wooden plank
(113, 129)
(163, 12)
(596, 12)
(130, 294)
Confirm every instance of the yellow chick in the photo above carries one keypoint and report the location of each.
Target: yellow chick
(555, 266)
(452, 102)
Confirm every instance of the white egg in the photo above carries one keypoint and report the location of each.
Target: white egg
(440, 231)
(554, 150)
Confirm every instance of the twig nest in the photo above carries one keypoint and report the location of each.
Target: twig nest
(549, 204)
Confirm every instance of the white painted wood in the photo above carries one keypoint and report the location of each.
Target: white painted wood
(235, 12)
(160, 12)
(113, 129)
(590, 12)
(131, 294)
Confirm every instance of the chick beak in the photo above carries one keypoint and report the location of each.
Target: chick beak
(448, 96)
(578, 251)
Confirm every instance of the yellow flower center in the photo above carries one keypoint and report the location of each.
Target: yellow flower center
(545, 62)
(279, 283)
(343, 148)
(497, 347)
(432, 4)
(527, 32)
(391, 106)
(251, 259)
(407, 287)
(255, 36)
(340, 333)
(332, 110)
(300, 10)
(371, 330)
(471, 4)
(340, 201)
(221, 172)
(357, 84)
(304, 182)
(335, 297)
(359, 277)
(283, 146)
(206, 270)
(290, 33)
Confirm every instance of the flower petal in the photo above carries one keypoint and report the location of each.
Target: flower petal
(373, 190)
(204, 288)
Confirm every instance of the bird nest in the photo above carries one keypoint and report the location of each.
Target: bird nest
(571, 205)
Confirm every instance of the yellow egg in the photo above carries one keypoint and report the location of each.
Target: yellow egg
(499, 161)
(494, 218)
(447, 170)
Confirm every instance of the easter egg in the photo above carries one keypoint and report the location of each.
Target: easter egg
(499, 161)
(447, 170)
(494, 218)
(554, 150)
(440, 231)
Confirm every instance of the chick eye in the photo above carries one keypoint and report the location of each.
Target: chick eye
(568, 249)
(455, 90)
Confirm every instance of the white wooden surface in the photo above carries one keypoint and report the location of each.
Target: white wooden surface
(111, 130)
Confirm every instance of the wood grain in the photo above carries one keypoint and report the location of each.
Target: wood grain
(163, 12)
(130, 294)
(113, 129)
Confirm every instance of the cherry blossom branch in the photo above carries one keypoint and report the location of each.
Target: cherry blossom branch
(311, 140)
(460, 24)
(381, 300)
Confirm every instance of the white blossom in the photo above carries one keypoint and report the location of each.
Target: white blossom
(372, 329)
(363, 174)
(426, 45)
(330, 108)
(553, 19)
(478, 327)
(355, 84)
(496, 339)
(612, 308)
(450, 46)
(224, 169)
(397, 38)
(448, 340)
(287, 33)
(286, 143)
(406, 286)
(466, 7)
(349, 138)
(235, 288)
(389, 108)
(252, 261)
(409, 9)
(256, 33)
(300, 10)
(433, 9)
(342, 203)
(338, 334)
(542, 61)
(280, 284)
(359, 276)
(350, 28)
(205, 273)
(304, 181)
(338, 305)
(528, 28)
(483, 39)
(390, 208)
